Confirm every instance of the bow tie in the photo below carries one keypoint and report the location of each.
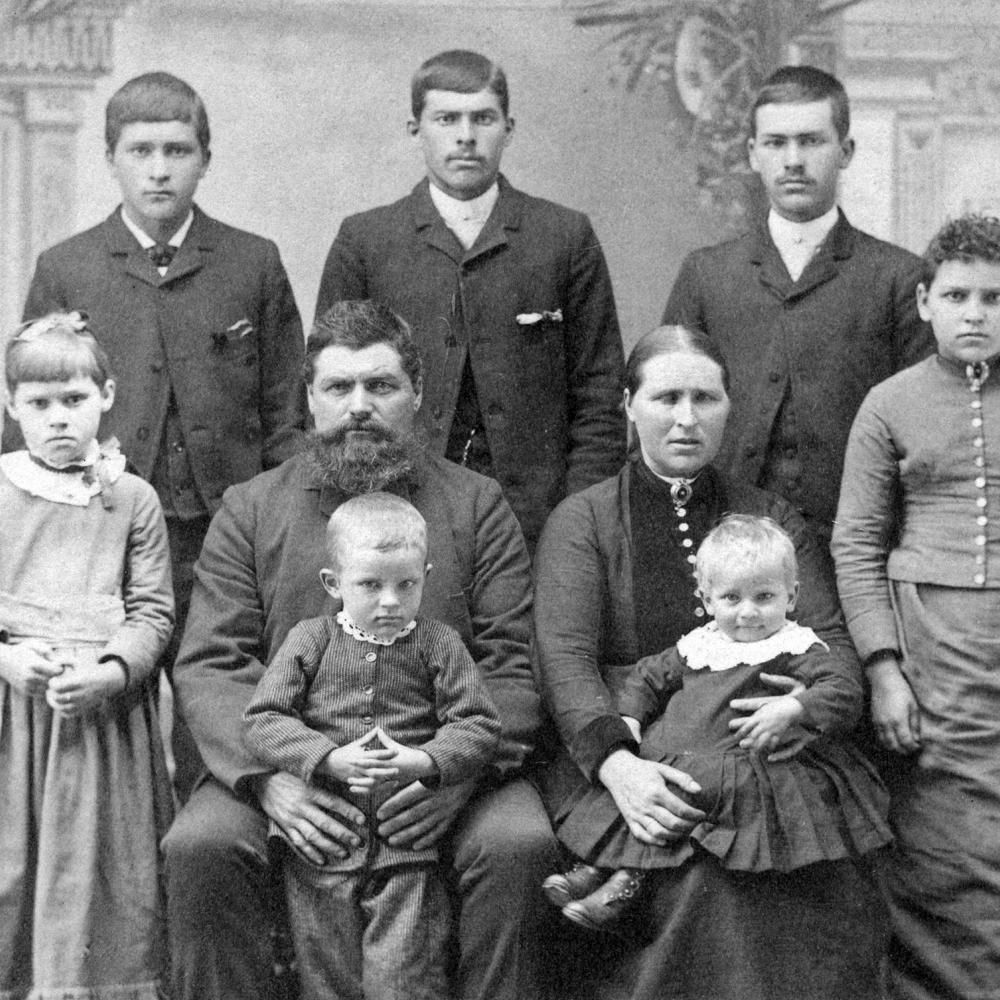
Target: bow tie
(161, 254)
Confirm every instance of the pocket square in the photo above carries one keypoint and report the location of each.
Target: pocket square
(546, 315)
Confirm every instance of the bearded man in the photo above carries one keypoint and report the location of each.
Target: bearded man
(258, 574)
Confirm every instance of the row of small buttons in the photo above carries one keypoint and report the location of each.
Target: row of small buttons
(976, 378)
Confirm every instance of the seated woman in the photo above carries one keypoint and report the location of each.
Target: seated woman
(615, 583)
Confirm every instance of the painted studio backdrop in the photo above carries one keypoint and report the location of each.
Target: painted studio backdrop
(629, 110)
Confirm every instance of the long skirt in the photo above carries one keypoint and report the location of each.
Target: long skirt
(83, 804)
(943, 877)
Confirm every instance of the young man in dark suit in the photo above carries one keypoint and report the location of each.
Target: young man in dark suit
(508, 296)
(197, 317)
(808, 311)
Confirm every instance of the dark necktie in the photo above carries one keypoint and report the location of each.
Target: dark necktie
(161, 254)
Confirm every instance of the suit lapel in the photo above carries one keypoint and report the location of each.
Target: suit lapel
(839, 245)
(430, 226)
(125, 250)
(133, 259)
(192, 255)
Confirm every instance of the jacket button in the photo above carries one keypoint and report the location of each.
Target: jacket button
(156, 367)
(494, 409)
(750, 451)
(142, 433)
(436, 413)
(775, 376)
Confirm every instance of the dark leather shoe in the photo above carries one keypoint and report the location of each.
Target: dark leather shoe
(602, 909)
(581, 880)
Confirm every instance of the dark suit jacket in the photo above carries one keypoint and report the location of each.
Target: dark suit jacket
(239, 394)
(849, 322)
(258, 575)
(550, 392)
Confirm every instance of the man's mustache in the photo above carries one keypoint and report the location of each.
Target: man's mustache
(377, 431)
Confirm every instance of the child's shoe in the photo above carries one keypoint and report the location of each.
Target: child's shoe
(603, 908)
(579, 881)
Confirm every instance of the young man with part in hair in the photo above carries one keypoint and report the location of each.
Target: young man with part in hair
(809, 312)
(508, 296)
(198, 319)
(256, 578)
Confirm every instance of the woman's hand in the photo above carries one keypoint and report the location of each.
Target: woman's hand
(895, 712)
(653, 813)
(84, 684)
(28, 666)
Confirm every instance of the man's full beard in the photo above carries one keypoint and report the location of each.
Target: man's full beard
(356, 465)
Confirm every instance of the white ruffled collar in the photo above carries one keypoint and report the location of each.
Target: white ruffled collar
(102, 466)
(356, 632)
(708, 647)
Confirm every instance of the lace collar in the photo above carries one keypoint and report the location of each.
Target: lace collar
(101, 468)
(709, 648)
(356, 632)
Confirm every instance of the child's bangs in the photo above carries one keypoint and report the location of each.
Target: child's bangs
(54, 357)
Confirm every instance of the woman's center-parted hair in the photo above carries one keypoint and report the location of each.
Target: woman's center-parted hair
(673, 339)
(55, 348)
(746, 542)
(380, 521)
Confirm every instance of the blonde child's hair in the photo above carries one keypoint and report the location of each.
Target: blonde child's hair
(55, 348)
(380, 521)
(745, 541)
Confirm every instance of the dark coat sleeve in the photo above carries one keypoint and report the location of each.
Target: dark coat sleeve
(684, 304)
(833, 697)
(571, 580)
(596, 362)
(219, 663)
(282, 399)
(343, 273)
(499, 603)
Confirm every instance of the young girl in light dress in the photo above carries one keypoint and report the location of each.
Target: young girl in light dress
(85, 611)
(768, 808)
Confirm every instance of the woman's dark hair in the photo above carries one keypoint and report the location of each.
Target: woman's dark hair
(671, 340)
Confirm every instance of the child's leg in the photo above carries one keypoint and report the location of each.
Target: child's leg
(406, 937)
(581, 880)
(326, 928)
(606, 905)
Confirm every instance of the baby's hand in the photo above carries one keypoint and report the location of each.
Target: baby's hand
(765, 728)
(411, 764)
(360, 769)
(28, 666)
(84, 684)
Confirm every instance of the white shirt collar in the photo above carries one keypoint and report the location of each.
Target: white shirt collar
(465, 218)
(787, 234)
(146, 241)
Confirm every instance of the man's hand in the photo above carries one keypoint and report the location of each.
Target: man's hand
(28, 666)
(417, 817)
(317, 823)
